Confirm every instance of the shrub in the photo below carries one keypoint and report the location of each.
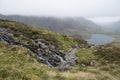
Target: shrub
(85, 56)
(109, 54)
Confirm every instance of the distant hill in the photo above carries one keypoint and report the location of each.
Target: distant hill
(77, 27)
(115, 26)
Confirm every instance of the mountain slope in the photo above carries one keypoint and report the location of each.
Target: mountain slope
(115, 27)
(20, 60)
(53, 49)
(61, 41)
(78, 27)
(18, 63)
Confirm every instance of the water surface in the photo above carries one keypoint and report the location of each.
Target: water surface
(100, 39)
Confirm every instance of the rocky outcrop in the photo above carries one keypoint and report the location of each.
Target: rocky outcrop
(45, 52)
(71, 57)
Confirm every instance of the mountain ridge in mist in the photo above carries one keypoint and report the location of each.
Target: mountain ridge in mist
(77, 27)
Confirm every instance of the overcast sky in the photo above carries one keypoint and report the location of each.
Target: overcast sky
(78, 8)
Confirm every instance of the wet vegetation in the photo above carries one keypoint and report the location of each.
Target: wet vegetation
(61, 41)
(19, 63)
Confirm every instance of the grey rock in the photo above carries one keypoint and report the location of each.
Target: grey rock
(47, 53)
(71, 57)
(64, 66)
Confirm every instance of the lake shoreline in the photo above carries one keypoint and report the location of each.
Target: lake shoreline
(100, 39)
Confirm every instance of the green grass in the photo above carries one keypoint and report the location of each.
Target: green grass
(16, 64)
(60, 41)
(85, 56)
(109, 53)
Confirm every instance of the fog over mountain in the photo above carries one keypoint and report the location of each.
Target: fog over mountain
(84, 8)
(99, 11)
(113, 27)
(104, 20)
(70, 17)
(72, 26)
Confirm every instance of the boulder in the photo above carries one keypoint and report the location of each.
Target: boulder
(64, 66)
(71, 57)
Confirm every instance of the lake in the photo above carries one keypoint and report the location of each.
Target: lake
(100, 39)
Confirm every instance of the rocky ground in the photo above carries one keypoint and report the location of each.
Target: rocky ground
(45, 52)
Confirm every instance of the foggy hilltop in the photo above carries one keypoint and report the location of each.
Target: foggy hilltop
(79, 27)
(61, 8)
(68, 26)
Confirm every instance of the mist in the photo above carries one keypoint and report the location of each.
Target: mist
(94, 10)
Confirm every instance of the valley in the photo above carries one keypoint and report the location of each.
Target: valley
(31, 53)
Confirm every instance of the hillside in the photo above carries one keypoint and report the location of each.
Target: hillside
(61, 41)
(30, 53)
(115, 27)
(76, 27)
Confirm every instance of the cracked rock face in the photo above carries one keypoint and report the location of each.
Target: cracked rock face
(45, 52)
